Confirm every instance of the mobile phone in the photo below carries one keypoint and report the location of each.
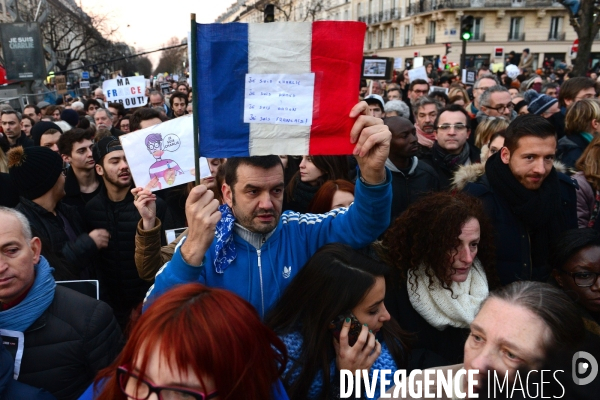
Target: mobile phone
(355, 327)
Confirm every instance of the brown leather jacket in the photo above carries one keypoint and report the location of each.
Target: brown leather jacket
(149, 255)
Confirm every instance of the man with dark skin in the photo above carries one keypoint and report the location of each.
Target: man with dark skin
(411, 178)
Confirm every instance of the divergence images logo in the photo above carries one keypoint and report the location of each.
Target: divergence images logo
(584, 363)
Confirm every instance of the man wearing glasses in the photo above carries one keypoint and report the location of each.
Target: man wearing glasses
(529, 203)
(417, 89)
(450, 149)
(496, 102)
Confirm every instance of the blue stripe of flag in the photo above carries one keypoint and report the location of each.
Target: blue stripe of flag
(222, 65)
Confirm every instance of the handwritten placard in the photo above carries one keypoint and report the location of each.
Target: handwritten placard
(280, 99)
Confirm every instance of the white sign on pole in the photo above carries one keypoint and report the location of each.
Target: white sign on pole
(164, 152)
(129, 91)
(417, 73)
(84, 84)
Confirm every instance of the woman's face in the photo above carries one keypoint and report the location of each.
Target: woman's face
(371, 310)
(284, 161)
(158, 373)
(513, 92)
(584, 264)
(341, 199)
(466, 251)
(309, 173)
(211, 182)
(26, 126)
(504, 338)
(496, 145)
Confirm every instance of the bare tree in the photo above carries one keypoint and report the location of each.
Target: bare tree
(292, 10)
(171, 60)
(586, 23)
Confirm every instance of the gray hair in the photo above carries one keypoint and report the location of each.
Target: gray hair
(486, 76)
(550, 304)
(108, 113)
(156, 92)
(77, 105)
(25, 227)
(484, 100)
(426, 100)
(399, 106)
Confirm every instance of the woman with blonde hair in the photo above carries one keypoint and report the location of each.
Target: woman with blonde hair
(582, 124)
(588, 178)
(456, 91)
(487, 128)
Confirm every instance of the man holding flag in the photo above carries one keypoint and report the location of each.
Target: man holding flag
(249, 247)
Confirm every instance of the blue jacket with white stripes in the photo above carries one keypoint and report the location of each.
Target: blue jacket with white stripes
(261, 275)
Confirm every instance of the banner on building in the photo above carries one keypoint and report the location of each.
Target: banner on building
(23, 51)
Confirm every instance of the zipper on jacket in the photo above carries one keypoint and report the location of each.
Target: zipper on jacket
(262, 295)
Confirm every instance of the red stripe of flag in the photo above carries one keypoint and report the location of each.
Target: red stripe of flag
(336, 59)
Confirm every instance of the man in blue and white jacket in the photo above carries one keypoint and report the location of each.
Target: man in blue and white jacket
(249, 247)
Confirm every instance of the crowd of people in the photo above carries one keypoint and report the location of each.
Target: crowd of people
(462, 234)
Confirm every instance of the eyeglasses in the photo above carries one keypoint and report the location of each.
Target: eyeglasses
(583, 279)
(139, 389)
(421, 91)
(447, 127)
(501, 108)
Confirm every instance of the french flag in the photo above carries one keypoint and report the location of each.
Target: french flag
(226, 53)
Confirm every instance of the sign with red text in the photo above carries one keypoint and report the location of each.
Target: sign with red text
(129, 91)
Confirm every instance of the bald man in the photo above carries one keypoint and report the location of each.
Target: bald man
(411, 178)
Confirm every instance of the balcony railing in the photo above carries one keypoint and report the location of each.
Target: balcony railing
(556, 36)
(516, 38)
(423, 6)
(407, 42)
(430, 40)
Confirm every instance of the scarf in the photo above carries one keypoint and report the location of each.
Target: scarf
(224, 247)
(424, 138)
(442, 308)
(39, 298)
(450, 161)
(539, 210)
(302, 195)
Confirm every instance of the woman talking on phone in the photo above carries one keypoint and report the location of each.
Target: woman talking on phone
(338, 294)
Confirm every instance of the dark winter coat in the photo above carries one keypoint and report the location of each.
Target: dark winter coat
(513, 247)
(445, 174)
(120, 283)
(72, 340)
(76, 256)
(407, 188)
(73, 196)
(570, 148)
(9, 194)
(14, 390)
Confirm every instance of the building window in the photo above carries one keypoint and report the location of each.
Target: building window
(407, 35)
(555, 28)
(516, 28)
(392, 37)
(477, 28)
(346, 15)
(380, 5)
(370, 40)
(370, 7)
(379, 39)
(431, 37)
(359, 10)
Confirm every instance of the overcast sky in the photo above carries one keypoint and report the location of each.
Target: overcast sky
(148, 24)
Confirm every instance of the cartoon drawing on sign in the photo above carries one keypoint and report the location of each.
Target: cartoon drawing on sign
(166, 169)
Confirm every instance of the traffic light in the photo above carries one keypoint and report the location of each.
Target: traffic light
(466, 27)
(269, 13)
(448, 47)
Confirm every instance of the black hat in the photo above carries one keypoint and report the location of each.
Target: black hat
(104, 146)
(34, 170)
(70, 116)
(39, 128)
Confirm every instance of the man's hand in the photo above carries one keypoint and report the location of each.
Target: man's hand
(202, 213)
(100, 237)
(145, 202)
(372, 140)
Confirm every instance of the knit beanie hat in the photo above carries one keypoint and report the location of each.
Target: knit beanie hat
(538, 103)
(39, 128)
(70, 116)
(34, 170)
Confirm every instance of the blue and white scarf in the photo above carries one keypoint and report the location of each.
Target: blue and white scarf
(39, 298)
(224, 248)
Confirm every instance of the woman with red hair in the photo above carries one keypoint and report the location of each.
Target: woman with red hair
(333, 194)
(199, 343)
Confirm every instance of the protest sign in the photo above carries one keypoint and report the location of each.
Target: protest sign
(438, 89)
(129, 91)
(61, 84)
(23, 51)
(164, 151)
(84, 84)
(417, 73)
(469, 76)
